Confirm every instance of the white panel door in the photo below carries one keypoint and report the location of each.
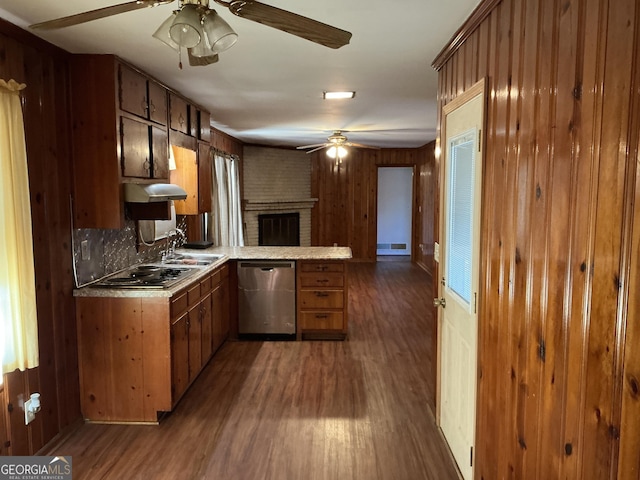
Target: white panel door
(459, 251)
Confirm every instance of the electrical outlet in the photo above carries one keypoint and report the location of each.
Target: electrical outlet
(84, 250)
(31, 407)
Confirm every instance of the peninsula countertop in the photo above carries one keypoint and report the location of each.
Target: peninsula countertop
(228, 253)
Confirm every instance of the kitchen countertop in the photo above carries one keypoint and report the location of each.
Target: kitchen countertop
(228, 253)
(278, 253)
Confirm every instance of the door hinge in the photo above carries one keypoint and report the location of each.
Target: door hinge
(10, 407)
(475, 302)
(471, 457)
(480, 140)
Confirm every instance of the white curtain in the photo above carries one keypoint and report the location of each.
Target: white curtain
(226, 218)
(18, 318)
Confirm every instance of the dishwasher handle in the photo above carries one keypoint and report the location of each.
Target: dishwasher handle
(266, 266)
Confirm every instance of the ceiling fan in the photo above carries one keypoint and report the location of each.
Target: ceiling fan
(198, 28)
(336, 146)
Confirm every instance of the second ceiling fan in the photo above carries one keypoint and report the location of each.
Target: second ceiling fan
(336, 145)
(198, 28)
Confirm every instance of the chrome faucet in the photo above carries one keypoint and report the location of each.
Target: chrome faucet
(175, 239)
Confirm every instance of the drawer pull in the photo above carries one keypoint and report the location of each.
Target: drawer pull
(322, 280)
(321, 294)
(322, 316)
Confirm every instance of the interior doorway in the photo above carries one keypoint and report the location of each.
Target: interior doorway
(395, 212)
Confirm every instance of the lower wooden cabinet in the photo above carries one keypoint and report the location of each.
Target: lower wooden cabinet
(322, 298)
(139, 355)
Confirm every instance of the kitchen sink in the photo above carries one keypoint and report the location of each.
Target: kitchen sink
(198, 259)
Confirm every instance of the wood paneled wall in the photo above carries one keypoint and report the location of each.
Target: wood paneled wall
(43, 69)
(347, 199)
(226, 143)
(427, 214)
(560, 315)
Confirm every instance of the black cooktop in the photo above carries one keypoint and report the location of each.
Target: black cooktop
(146, 276)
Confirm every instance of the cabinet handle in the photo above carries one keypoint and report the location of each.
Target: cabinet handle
(321, 294)
(322, 316)
(322, 280)
(144, 105)
(181, 120)
(153, 107)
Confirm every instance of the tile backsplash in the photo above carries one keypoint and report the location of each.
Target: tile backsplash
(110, 251)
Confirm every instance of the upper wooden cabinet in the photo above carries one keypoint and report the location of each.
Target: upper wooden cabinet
(179, 114)
(142, 96)
(120, 133)
(204, 126)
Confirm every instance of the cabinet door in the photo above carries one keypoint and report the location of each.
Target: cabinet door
(204, 126)
(217, 317)
(157, 103)
(186, 176)
(207, 328)
(160, 152)
(193, 121)
(178, 116)
(135, 148)
(133, 92)
(204, 178)
(179, 356)
(195, 339)
(224, 308)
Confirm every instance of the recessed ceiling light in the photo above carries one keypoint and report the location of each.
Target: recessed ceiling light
(336, 95)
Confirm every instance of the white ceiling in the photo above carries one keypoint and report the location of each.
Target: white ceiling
(267, 88)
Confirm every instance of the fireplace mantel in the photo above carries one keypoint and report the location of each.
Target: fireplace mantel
(262, 205)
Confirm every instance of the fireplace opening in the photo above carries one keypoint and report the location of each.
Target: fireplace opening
(279, 229)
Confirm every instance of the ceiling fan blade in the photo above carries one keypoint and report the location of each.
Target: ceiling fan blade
(201, 61)
(359, 145)
(312, 146)
(97, 14)
(316, 149)
(292, 23)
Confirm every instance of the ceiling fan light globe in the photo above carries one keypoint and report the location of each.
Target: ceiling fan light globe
(342, 152)
(162, 33)
(186, 27)
(332, 151)
(218, 33)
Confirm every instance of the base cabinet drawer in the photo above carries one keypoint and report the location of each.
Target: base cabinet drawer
(321, 320)
(316, 280)
(321, 299)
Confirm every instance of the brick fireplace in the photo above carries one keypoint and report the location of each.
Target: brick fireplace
(276, 181)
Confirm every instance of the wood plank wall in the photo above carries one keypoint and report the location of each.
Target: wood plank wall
(347, 199)
(43, 68)
(560, 315)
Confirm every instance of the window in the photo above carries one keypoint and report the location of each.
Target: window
(18, 320)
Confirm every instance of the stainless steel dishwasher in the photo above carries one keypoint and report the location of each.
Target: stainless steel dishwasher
(267, 297)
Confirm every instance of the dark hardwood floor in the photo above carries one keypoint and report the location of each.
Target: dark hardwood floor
(357, 409)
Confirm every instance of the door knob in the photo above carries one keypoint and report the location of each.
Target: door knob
(439, 302)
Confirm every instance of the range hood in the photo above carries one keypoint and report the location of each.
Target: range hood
(152, 192)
